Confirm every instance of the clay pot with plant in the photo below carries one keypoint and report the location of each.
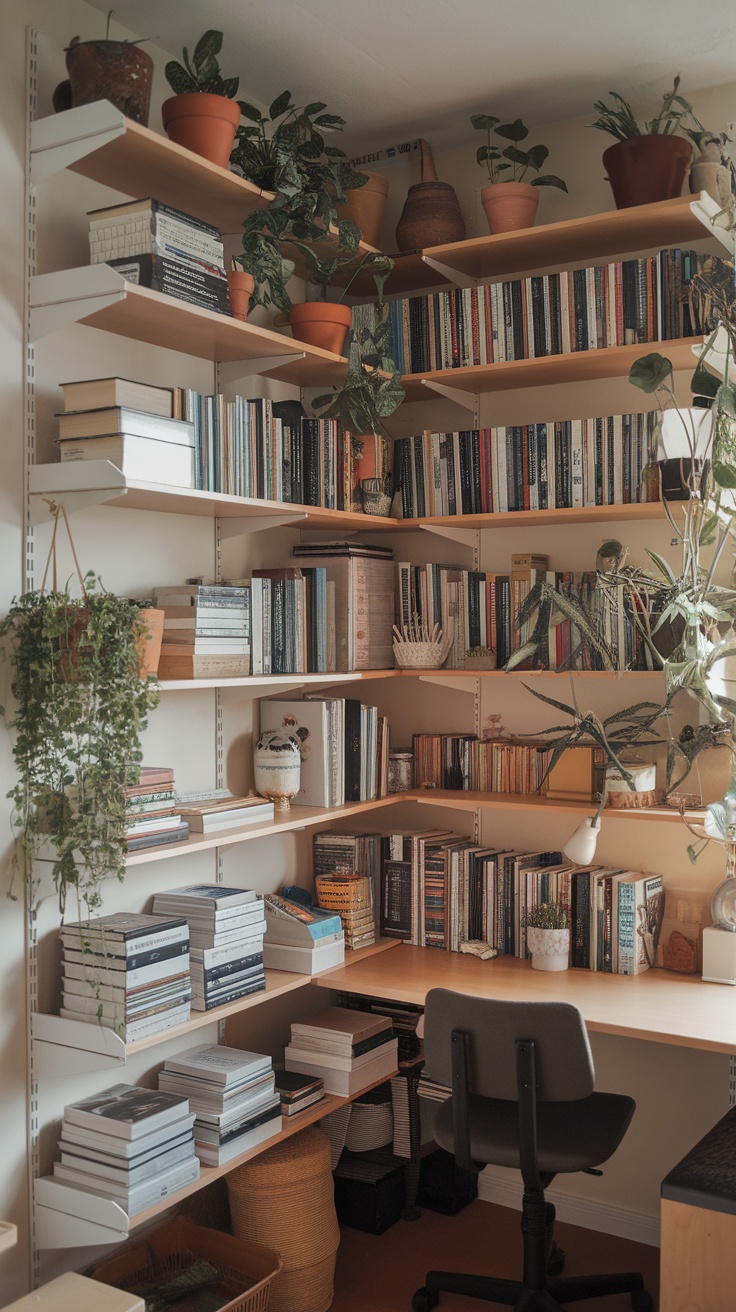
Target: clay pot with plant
(511, 202)
(117, 71)
(649, 165)
(203, 114)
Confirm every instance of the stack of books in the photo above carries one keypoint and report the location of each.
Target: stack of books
(206, 630)
(152, 815)
(129, 972)
(345, 746)
(337, 852)
(351, 898)
(129, 1144)
(233, 1097)
(301, 938)
(364, 600)
(226, 927)
(297, 1092)
(206, 814)
(130, 425)
(156, 246)
(349, 1050)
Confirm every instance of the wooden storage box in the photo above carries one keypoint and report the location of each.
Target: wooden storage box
(246, 1270)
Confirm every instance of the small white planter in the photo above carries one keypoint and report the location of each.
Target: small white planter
(684, 433)
(550, 948)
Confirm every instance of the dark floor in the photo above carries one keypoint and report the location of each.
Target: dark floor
(379, 1273)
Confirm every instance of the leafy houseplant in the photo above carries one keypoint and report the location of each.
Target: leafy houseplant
(548, 935)
(80, 708)
(296, 138)
(511, 202)
(202, 114)
(649, 165)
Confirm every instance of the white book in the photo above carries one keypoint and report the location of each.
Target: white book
(214, 1103)
(142, 458)
(333, 1060)
(210, 1155)
(348, 1083)
(219, 1064)
(126, 1174)
(138, 1197)
(129, 1150)
(304, 960)
(91, 393)
(212, 900)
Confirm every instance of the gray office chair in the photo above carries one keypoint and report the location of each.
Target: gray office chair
(522, 1081)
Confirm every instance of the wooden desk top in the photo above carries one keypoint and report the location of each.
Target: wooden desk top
(657, 1005)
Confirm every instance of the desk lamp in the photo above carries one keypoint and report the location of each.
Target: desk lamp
(580, 846)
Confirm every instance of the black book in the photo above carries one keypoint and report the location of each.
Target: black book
(555, 315)
(517, 319)
(538, 324)
(580, 310)
(503, 618)
(352, 750)
(186, 283)
(421, 509)
(291, 414)
(396, 900)
(310, 460)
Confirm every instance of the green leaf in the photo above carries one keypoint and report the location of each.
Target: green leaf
(650, 371)
(517, 156)
(662, 566)
(280, 105)
(703, 382)
(512, 131)
(724, 475)
(313, 108)
(207, 49)
(250, 111)
(484, 153)
(484, 122)
(536, 156)
(330, 122)
(549, 180)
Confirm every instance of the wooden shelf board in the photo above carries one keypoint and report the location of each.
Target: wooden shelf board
(299, 817)
(141, 162)
(644, 510)
(263, 684)
(656, 1005)
(469, 801)
(593, 237)
(542, 371)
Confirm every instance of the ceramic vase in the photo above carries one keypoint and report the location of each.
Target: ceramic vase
(550, 948)
(277, 765)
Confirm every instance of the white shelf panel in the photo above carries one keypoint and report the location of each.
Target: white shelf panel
(8, 1235)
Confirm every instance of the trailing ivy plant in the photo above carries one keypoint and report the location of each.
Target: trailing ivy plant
(372, 388)
(288, 134)
(80, 706)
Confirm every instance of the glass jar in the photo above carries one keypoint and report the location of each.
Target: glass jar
(400, 767)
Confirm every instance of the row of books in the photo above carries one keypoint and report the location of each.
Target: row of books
(157, 246)
(226, 929)
(629, 301)
(547, 466)
(482, 609)
(233, 1096)
(344, 744)
(348, 1050)
(463, 761)
(447, 890)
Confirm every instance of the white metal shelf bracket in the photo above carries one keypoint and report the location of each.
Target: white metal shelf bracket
(467, 537)
(61, 1230)
(59, 141)
(38, 512)
(65, 1047)
(58, 299)
(719, 355)
(706, 209)
(239, 526)
(452, 275)
(233, 371)
(45, 319)
(468, 400)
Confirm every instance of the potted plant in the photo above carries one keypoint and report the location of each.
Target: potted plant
(649, 165)
(713, 169)
(80, 706)
(510, 203)
(548, 935)
(117, 71)
(370, 394)
(202, 114)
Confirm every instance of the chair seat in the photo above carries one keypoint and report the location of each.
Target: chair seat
(572, 1136)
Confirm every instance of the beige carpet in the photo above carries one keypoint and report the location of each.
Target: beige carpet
(379, 1273)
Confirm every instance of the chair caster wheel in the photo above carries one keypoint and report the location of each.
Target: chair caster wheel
(641, 1301)
(424, 1300)
(556, 1261)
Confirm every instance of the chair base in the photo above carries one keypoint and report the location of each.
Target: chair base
(512, 1293)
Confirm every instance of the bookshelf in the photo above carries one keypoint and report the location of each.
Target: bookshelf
(98, 143)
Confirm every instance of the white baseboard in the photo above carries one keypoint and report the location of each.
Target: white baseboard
(495, 1187)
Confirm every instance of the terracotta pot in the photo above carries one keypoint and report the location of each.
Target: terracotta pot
(110, 70)
(203, 123)
(645, 169)
(365, 206)
(149, 647)
(510, 206)
(240, 286)
(320, 323)
(431, 216)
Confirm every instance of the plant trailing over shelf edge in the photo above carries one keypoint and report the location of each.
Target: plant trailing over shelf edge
(518, 161)
(80, 708)
(202, 72)
(372, 389)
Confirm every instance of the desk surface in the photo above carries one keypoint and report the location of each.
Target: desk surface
(656, 1005)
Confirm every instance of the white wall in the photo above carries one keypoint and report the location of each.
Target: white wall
(133, 550)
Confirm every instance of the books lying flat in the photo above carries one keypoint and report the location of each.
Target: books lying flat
(126, 1173)
(222, 815)
(341, 1024)
(220, 1065)
(103, 393)
(136, 457)
(297, 1092)
(126, 1111)
(217, 1155)
(130, 1151)
(123, 934)
(289, 922)
(113, 420)
(185, 283)
(178, 663)
(137, 1197)
(160, 838)
(304, 960)
(133, 1030)
(347, 1083)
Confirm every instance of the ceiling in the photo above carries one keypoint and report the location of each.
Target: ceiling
(398, 69)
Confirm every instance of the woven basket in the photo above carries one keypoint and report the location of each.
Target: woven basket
(246, 1269)
(335, 1126)
(371, 1124)
(285, 1198)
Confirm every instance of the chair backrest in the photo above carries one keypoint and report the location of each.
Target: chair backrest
(564, 1063)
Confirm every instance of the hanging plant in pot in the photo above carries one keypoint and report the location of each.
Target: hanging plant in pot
(511, 202)
(649, 165)
(202, 114)
(80, 706)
